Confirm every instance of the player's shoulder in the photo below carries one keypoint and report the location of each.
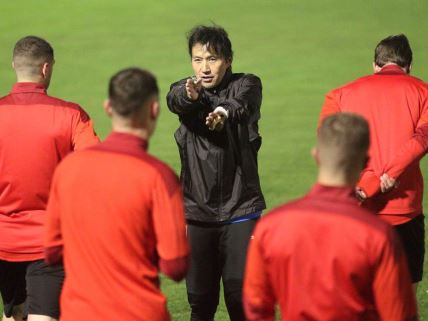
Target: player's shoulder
(246, 78)
(281, 212)
(163, 174)
(180, 82)
(160, 167)
(63, 103)
(4, 100)
(70, 160)
(356, 82)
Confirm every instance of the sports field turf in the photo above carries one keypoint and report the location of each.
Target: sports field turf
(299, 48)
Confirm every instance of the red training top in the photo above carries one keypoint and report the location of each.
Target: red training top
(36, 132)
(118, 214)
(323, 257)
(395, 105)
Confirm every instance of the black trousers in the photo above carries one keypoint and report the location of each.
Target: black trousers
(217, 253)
(33, 282)
(412, 235)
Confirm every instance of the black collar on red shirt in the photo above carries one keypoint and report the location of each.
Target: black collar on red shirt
(391, 70)
(28, 87)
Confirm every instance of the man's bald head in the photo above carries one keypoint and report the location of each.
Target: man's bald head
(30, 54)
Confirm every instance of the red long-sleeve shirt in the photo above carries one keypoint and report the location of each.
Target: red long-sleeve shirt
(117, 216)
(323, 257)
(36, 132)
(395, 105)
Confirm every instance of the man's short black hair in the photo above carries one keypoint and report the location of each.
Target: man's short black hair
(30, 52)
(394, 49)
(129, 90)
(215, 37)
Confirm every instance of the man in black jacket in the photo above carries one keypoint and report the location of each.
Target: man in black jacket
(218, 141)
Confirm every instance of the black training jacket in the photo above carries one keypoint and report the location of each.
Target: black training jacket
(219, 168)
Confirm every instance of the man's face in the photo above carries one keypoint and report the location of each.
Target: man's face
(208, 66)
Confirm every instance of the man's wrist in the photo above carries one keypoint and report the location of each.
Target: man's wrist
(221, 110)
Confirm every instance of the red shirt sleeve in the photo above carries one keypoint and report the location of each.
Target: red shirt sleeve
(83, 131)
(392, 288)
(259, 299)
(369, 182)
(330, 107)
(169, 225)
(53, 243)
(175, 269)
(412, 151)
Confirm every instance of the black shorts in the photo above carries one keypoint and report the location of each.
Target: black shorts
(35, 283)
(412, 235)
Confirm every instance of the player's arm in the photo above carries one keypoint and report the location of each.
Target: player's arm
(83, 134)
(369, 184)
(245, 103)
(330, 106)
(186, 96)
(53, 244)
(415, 148)
(259, 299)
(170, 227)
(392, 288)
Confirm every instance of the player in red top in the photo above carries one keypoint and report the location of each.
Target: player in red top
(36, 132)
(117, 216)
(396, 106)
(323, 257)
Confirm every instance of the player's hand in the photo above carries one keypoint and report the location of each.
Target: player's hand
(193, 87)
(215, 121)
(360, 194)
(387, 183)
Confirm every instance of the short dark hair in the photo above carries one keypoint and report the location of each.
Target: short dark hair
(346, 136)
(30, 52)
(215, 37)
(129, 90)
(394, 49)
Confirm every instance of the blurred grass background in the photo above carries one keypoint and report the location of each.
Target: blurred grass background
(299, 48)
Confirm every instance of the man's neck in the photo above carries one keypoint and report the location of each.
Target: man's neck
(378, 69)
(29, 79)
(336, 179)
(139, 132)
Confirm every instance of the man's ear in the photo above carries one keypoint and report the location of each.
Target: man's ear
(154, 109)
(107, 107)
(315, 155)
(409, 68)
(13, 64)
(46, 69)
(376, 68)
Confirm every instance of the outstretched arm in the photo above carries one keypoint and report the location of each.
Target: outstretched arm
(186, 96)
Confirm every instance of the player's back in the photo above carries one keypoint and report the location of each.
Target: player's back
(108, 229)
(36, 132)
(322, 254)
(393, 103)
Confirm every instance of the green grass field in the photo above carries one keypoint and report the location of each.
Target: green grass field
(299, 48)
